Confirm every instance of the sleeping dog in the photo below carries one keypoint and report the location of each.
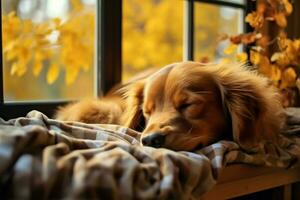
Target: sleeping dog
(187, 105)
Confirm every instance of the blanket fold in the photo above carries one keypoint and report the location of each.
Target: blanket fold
(49, 159)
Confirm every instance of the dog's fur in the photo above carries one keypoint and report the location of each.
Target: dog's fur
(191, 105)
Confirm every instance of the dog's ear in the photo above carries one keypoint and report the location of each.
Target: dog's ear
(133, 114)
(252, 104)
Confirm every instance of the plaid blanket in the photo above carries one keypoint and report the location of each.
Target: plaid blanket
(49, 159)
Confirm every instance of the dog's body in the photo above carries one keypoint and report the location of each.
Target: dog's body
(188, 105)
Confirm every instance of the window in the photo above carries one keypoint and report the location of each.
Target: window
(209, 27)
(158, 32)
(48, 49)
(95, 81)
(152, 34)
(149, 33)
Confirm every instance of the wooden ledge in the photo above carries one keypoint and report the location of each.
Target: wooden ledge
(237, 180)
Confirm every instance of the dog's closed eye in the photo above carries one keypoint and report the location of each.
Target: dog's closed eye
(182, 107)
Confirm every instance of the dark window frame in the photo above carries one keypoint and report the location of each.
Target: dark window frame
(247, 7)
(109, 57)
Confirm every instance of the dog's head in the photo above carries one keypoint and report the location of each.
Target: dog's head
(188, 105)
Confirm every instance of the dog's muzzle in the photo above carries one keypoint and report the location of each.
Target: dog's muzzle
(154, 140)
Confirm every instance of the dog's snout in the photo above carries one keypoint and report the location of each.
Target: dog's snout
(154, 140)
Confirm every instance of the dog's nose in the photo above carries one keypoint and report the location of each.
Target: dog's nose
(154, 140)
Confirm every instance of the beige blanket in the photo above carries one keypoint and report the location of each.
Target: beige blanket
(41, 158)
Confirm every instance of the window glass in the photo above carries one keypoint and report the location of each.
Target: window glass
(152, 34)
(48, 49)
(211, 22)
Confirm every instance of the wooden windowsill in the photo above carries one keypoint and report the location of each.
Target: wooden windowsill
(237, 180)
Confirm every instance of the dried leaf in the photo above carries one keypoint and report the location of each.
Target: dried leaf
(255, 19)
(288, 78)
(288, 7)
(275, 73)
(280, 20)
(237, 39)
(246, 38)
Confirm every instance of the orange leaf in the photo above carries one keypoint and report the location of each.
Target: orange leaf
(275, 73)
(280, 20)
(255, 19)
(289, 78)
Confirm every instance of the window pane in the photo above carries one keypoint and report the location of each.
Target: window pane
(49, 49)
(152, 34)
(211, 21)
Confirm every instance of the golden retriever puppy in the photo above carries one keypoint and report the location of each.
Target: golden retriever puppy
(187, 105)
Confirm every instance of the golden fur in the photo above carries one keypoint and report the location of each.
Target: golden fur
(188, 105)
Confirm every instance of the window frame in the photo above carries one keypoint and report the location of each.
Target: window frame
(109, 57)
(247, 7)
(109, 18)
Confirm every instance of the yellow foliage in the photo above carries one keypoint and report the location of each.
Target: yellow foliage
(289, 77)
(52, 73)
(282, 66)
(27, 45)
(152, 34)
(255, 19)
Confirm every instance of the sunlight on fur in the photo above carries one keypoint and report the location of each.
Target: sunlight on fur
(188, 105)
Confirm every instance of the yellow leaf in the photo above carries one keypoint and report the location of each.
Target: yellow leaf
(11, 55)
(21, 70)
(37, 67)
(71, 75)
(19, 67)
(230, 49)
(275, 73)
(242, 57)
(254, 57)
(52, 73)
(14, 68)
